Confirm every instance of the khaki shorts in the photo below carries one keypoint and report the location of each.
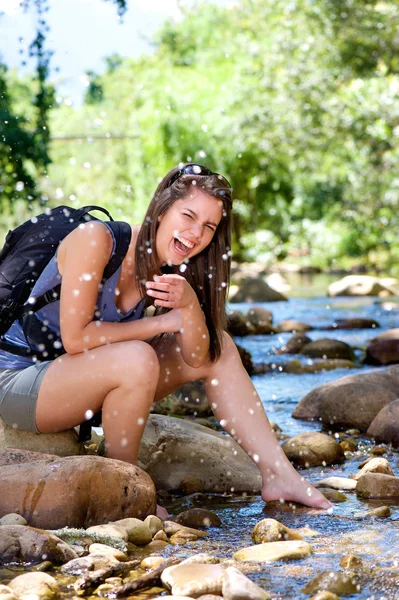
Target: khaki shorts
(19, 389)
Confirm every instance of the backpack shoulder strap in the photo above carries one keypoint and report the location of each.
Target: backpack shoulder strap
(123, 234)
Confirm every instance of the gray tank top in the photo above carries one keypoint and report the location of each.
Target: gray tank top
(50, 314)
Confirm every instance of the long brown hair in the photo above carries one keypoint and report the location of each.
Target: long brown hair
(208, 272)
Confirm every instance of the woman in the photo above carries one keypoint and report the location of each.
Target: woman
(122, 367)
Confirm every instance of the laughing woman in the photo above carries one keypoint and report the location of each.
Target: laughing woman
(179, 261)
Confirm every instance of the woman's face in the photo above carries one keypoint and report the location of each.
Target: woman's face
(187, 227)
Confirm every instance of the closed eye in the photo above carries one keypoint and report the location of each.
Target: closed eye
(211, 227)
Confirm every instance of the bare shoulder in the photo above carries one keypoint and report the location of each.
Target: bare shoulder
(89, 242)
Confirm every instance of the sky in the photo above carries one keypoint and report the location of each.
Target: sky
(82, 33)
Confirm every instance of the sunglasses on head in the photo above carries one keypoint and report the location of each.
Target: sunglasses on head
(194, 169)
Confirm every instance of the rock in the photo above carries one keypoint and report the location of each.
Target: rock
(326, 348)
(270, 530)
(12, 456)
(316, 365)
(336, 583)
(107, 551)
(236, 586)
(181, 538)
(333, 495)
(64, 443)
(13, 519)
(313, 449)
(378, 450)
(172, 449)
(289, 325)
(190, 399)
(198, 517)
(154, 524)
(252, 289)
(295, 344)
(363, 285)
(337, 483)
(278, 282)
(109, 529)
(325, 596)
(259, 317)
(391, 334)
(201, 558)
(246, 359)
(377, 485)
(193, 579)
(375, 465)
(273, 551)
(354, 323)
(138, 532)
(382, 352)
(89, 490)
(6, 593)
(160, 535)
(350, 561)
(382, 512)
(170, 528)
(385, 426)
(349, 445)
(239, 325)
(151, 562)
(352, 401)
(34, 585)
(191, 485)
(26, 544)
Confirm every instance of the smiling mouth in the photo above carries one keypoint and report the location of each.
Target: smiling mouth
(181, 247)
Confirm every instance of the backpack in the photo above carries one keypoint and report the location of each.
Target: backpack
(26, 252)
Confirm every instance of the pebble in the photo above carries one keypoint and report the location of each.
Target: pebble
(350, 561)
(154, 524)
(378, 450)
(160, 535)
(382, 512)
(333, 495)
(40, 586)
(6, 593)
(375, 465)
(107, 551)
(170, 527)
(193, 579)
(198, 517)
(151, 562)
(13, 519)
(156, 545)
(273, 551)
(236, 586)
(334, 582)
(337, 483)
(109, 529)
(138, 532)
(270, 530)
(325, 596)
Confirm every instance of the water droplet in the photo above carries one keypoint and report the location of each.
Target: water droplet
(86, 277)
(215, 382)
(182, 268)
(89, 414)
(76, 292)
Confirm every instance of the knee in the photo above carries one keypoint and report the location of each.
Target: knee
(136, 362)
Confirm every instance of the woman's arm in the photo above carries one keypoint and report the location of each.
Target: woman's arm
(174, 291)
(82, 258)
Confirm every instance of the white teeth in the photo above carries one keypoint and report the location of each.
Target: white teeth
(186, 243)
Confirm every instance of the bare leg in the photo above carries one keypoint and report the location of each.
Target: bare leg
(239, 410)
(120, 378)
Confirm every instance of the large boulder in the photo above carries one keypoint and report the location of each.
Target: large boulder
(19, 543)
(352, 401)
(64, 443)
(385, 426)
(190, 399)
(75, 491)
(255, 289)
(172, 449)
(326, 348)
(364, 285)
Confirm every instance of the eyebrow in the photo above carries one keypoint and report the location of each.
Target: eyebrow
(195, 215)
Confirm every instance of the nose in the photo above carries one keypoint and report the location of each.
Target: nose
(196, 231)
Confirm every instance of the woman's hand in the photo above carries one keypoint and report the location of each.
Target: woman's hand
(171, 321)
(171, 291)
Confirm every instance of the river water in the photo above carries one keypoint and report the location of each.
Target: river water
(375, 541)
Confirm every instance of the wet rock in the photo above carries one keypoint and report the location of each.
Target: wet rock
(154, 524)
(64, 443)
(190, 399)
(238, 325)
(181, 538)
(156, 545)
(160, 535)
(375, 465)
(333, 495)
(325, 596)
(337, 483)
(198, 517)
(138, 532)
(377, 485)
(363, 285)
(252, 289)
(326, 348)
(26, 544)
(151, 562)
(391, 334)
(350, 561)
(291, 325)
(270, 530)
(109, 529)
(273, 551)
(354, 323)
(317, 364)
(193, 579)
(385, 426)
(352, 401)
(348, 445)
(383, 352)
(261, 319)
(382, 512)
(295, 344)
(378, 450)
(336, 583)
(34, 585)
(191, 485)
(107, 551)
(91, 562)
(202, 558)
(13, 519)
(6, 593)
(172, 449)
(313, 449)
(170, 528)
(89, 490)
(236, 586)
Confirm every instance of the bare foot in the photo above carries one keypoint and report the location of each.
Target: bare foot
(289, 485)
(162, 513)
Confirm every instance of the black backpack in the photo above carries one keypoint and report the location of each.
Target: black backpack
(26, 252)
